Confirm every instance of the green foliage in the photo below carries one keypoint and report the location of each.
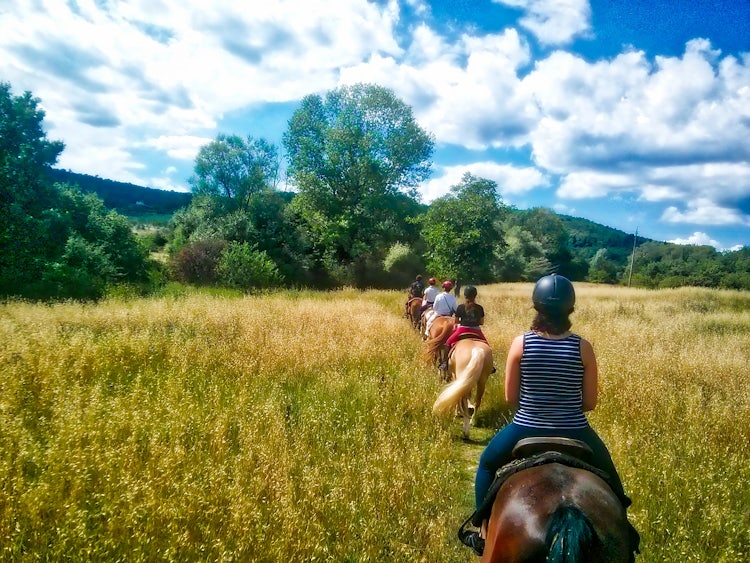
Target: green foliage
(463, 231)
(522, 258)
(233, 169)
(55, 242)
(667, 265)
(401, 264)
(146, 204)
(356, 157)
(602, 269)
(549, 231)
(27, 232)
(244, 267)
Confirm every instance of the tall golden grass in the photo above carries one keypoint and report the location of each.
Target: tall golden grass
(298, 426)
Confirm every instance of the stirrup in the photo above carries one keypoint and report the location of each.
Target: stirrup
(472, 540)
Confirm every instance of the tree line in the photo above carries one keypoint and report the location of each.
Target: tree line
(355, 158)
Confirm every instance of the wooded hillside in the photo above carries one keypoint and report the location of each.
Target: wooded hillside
(123, 197)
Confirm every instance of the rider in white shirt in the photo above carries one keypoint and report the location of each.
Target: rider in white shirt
(429, 295)
(445, 303)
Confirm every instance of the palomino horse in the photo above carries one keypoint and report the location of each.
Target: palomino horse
(471, 362)
(415, 312)
(557, 514)
(439, 331)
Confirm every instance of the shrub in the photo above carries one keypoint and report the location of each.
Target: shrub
(402, 263)
(197, 262)
(243, 266)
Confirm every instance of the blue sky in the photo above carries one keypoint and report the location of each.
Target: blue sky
(633, 114)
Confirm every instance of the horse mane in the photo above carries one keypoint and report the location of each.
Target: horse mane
(464, 382)
(571, 537)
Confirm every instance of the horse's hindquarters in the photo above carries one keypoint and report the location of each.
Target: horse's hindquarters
(560, 504)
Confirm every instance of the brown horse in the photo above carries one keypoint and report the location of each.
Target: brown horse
(414, 311)
(470, 365)
(557, 514)
(434, 352)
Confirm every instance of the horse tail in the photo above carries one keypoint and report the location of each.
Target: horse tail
(571, 537)
(463, 384)
(432, 346)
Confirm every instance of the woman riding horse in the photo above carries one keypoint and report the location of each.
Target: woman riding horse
(551, 376)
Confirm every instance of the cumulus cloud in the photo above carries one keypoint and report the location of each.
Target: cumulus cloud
(509, 179)
(466, 93)
(553, 22)
(180, 147)
(703, 211)
(696, 239)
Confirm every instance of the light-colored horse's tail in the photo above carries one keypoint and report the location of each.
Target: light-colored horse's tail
(464, 383)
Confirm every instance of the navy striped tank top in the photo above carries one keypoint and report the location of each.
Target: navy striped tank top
(551, 383)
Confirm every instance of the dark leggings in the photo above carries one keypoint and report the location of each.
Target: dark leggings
(499, 452)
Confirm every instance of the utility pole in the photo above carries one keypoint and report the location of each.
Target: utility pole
(632, 257)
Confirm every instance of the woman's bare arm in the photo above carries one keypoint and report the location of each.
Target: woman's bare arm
(513, 372)
(590, 376)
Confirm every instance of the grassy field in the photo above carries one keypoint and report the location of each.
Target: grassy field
(298, 426)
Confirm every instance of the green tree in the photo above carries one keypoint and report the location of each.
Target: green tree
(54, 240)
(522, 257)
(549, 230)
(602, 269)
(243, 266)
(463, 231)
(233, 169)
(27, 233)
(356, 157)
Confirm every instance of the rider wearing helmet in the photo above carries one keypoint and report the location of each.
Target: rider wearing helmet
(428, 298)
(445, 302)
(551, 378)
(469, 316)
(416, 289)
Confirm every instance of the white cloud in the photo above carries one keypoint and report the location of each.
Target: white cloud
(564, 209)
(583, 185)
(466, 93)
(180, 147)
(553, 22)
(702, 211)
(697, 239)
(510, 180)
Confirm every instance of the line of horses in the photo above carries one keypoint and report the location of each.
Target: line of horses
(552, 512)
(466, 370)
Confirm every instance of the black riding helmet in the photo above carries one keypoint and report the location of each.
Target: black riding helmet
(554, 293)
(470, 292)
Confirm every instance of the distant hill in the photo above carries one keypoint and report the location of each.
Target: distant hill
(586, 237)
(128, 199)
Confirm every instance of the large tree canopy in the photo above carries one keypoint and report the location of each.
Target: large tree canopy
(356, 156)
(463, 231)
(54, 241)
(234, 169)
(25, 190)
